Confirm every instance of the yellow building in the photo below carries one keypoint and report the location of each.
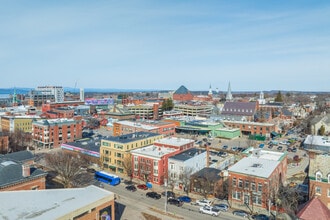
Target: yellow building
(14, 123)
(115, 150)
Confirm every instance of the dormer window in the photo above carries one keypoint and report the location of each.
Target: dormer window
(318, 176)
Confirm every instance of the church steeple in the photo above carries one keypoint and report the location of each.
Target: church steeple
(210, 91)
(229, 96)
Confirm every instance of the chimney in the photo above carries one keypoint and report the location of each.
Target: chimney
(207, 156)
(25, 170)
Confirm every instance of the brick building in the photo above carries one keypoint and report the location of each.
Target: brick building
(17, 172)
(150, 163)
(62, 112)
(52, 133)
(255, 179)
(182, 94)
(4, 143)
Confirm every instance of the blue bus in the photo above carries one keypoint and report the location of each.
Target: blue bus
(107, 178)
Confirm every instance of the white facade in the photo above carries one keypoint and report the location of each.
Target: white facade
(57, 91)
(185, 164)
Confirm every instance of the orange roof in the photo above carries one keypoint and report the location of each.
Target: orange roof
(313, 210)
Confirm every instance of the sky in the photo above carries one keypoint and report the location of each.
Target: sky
(156, 44)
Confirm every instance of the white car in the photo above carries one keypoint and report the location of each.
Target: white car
(203, 202)
(209, 210)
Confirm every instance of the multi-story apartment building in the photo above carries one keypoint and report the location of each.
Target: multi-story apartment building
(160, 127)
(62, 112)
(56, 91)
(52, 133)
(255, 179)
(151, 163)
(21, 123)
(319, 177)
(115, 150)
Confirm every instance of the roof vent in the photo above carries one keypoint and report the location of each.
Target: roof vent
(257, 165)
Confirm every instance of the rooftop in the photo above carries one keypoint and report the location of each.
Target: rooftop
(50, 203)
(127, 138)
(260, 163)
(153, 151)
(188, 154)
(317, 140)
(174, 141)
(138, 125)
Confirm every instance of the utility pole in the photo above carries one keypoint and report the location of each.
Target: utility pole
(165, 185)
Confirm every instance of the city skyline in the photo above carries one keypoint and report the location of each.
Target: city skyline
(161, 45)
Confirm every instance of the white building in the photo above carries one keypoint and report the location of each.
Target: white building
(182, 165)
(57, 91)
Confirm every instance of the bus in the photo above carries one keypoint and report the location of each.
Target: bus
(108, 178)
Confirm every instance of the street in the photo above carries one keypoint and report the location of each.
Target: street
(131, 205)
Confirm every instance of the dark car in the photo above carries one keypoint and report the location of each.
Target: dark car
(279, 148)
(131, 188)
(225, 147)
(153, 195)
(168, 194)
(241, 213)
(221, 207)
(176, 202)
(142, 186)
(260, 217)
(184, 198)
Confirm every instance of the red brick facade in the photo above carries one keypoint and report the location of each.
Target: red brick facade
(31, 184)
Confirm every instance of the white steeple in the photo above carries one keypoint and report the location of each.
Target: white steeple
(229, 96)
(210, 91)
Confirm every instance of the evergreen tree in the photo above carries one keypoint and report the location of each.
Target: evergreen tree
(279, 97)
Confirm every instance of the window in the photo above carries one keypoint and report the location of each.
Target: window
(247, 184)
(256, 199)
(240, 183)
(318, 176)
(155, 163)
(253, 186)
(172, 166)
(234, 182)
(259, 187)
(236, 195)
(318, 190)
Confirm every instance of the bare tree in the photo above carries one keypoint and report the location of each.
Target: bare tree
(288, 199)
(128, 166)
(185, 178)
(67, 166)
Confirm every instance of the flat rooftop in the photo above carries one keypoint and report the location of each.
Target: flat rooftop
(127, 138)
(153, 151)
(174, 141)
(138, 125)
(260, 163)
(317, 140)
(50, 203)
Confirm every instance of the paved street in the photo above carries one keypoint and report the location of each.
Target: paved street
(130, 205)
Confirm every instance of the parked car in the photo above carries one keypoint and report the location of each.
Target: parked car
(153, 195)
(131, 188)
(260, 217)
(168, 194)
(209, 210)
(142, 186)
(222, 207)
(225, 147)
(203, 202)
(279, 148)
(184, 198)
(174, 201)
(241, 213)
